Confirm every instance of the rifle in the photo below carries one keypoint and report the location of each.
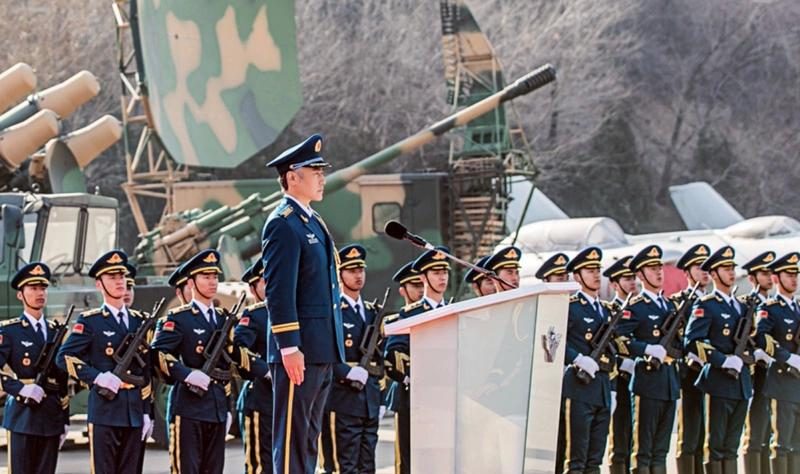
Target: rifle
(743, 336)
(133, 346)
(45, 361)
(369, 345)
(602, 345)
(675, 321)
(217, 344)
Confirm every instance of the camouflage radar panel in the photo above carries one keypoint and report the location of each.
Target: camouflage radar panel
(222, 79)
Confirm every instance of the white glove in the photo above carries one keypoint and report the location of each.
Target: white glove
(108, 381)
(587, 364)
(406, 381)
(358, 374)
(63, 437)
(657, 351)
(627, 365)
(198, 379)
(794, 361)
(733, 362)
(761, 355)
(381, 412)
(147, 426)
(228, 422)
(268, 376)
(695, 358)
(32, 391)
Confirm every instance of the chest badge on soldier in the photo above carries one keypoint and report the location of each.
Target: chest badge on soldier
(26, 362)
(109, 351)
(588, 336)
(656, 332)
(726, 332)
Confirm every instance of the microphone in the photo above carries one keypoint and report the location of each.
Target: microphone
(398, 231)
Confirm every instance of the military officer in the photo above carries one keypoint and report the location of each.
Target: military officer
(756, 426)
(130, 283)
(654, 387)
(409, 283)
(691, 411)
(36, 416)
(480, 284)
(354, 413)
(178, 280)
(724, 380)
(305, 319)
(623, 281)
(586, 408)
(505, 264)
(119, 423)
(198, 422)
(255, 399)
(777, 329)
(554, 269)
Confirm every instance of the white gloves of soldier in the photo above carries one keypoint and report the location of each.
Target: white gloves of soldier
(732, 362)
(108, 381)
(198, 379)
(32, 391)
(358, 374)
(586, 364)
(228, 422)
(794, 361)
(147, 427)
(627, 365)
(381, 412)
(406, 380)
(762, 356)
(657, 351)
(63, 436)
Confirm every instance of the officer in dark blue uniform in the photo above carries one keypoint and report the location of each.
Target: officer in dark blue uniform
(757, 425)
(777, 329)
(178, 280)
(623, 282)
(505, 264)
(434, 271)
(353, 413)
(554, 269)
(117, 427)
(654, 390)
(305, 320)
(35, 416)
(691, 412)
(480, 285)
(255, 400)
(198, 423)
(724, 379)
(586, 408)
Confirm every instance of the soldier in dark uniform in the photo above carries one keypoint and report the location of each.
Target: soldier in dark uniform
(724, 380)
(554, 269)
(756, 426)
(691, 411)
(654, 390)
(178, 281)
(777, 329)
(353, 413)
(198, 423)
(304, 335)
(117, 427)
(255, 400)
(480, 285)
(623, 282)
(586, 408)
(433, 269)
(505, 264)
(36, 417)
(409, 283)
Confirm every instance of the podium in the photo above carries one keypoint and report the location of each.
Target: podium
(486, 379)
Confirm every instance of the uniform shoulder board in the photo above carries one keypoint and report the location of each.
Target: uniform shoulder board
(218, 310)
(413, 305)
(92, 312)
(609, 305)
(771, 302)
(742, 299)
(180, 309)
(259, 305)
(286, 211)
(391, 318)
(709, 297)
(676, 296)
(636, 299)
(573, 298)
(9, 322)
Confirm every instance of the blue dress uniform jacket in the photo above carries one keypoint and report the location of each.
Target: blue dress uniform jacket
(776, 330)
(582, 325)
(710, 335)
(89, 350)
(250, 340)
(642, 328)
(297, 248)
(20, 349)
(179, 344)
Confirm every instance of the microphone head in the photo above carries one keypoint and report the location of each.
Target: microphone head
(395, 230)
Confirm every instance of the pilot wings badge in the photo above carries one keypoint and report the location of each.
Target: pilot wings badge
(550, 342)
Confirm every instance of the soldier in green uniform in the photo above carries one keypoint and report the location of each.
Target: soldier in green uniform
(756, 426)
(691, 411)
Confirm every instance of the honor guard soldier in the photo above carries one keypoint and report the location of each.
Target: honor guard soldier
(255, 399)
(554, 269)
(505, 264)
(198, 404)
(757, 425)
(304, 335)
(654, 386)
(586, 408)
(434, 271)
(691, 432)
(355, 402)
(623, 281)
(178, 280)
(409, 283)
(777, 330)
(35, 416)
(724, 379)
(119, 414)
(480, 284)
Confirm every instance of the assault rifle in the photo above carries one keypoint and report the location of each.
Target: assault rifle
(46, 360)
(603, 351)
(671, 328)
(743, 336)
(369, 345)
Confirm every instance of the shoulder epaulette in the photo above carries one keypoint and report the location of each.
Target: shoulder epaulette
(608, 304)
(253, 307)
(218, 310)
(771, 302)
(391, 318)
(677, 296)
(92, 312)
(413, 305)
(635, 299)
(180, 308)
(286, 212)
(709, 297)
(573, 298)
(9, 322)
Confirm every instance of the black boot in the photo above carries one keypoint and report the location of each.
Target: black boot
(730, 466)
(752, 463)
(780, 465)
(685, 464)
(713, 467)
(617, 469)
